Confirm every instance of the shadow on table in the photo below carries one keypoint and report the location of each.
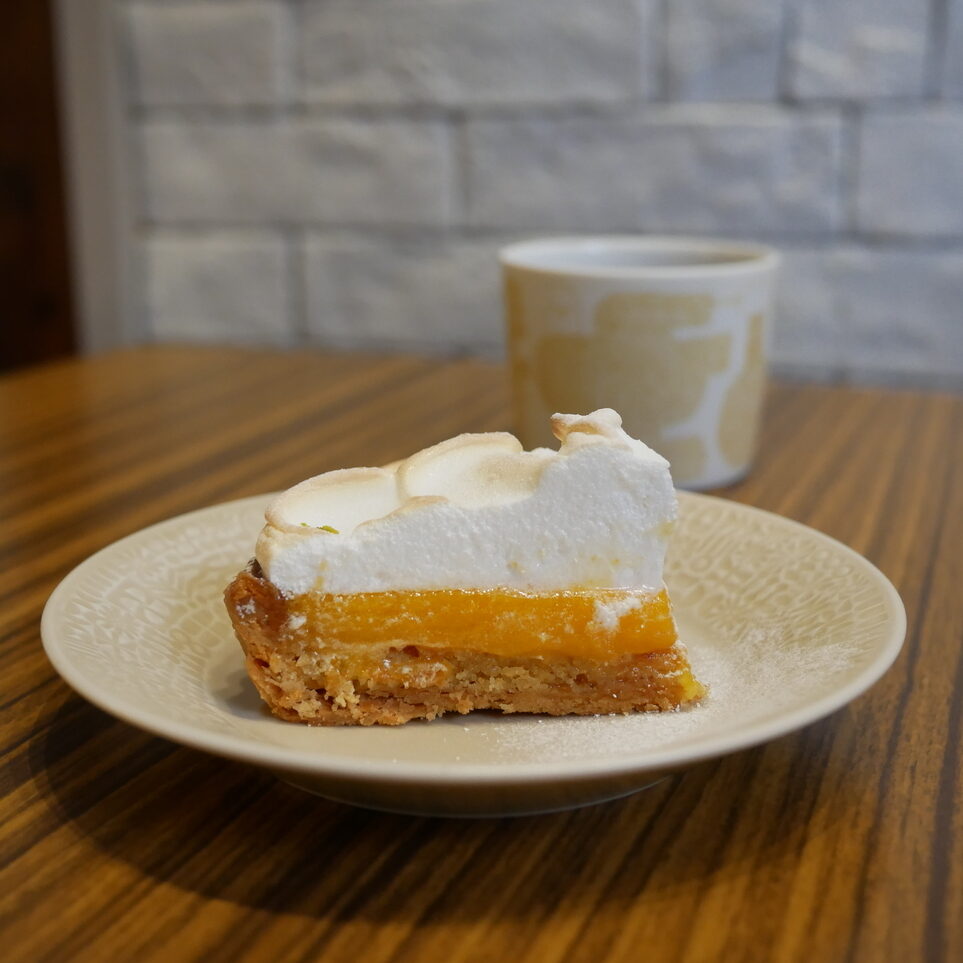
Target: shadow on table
(229, 832)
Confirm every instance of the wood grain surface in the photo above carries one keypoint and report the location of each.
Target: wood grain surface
(843, 841)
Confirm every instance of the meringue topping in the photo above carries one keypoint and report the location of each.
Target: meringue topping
(479, 512)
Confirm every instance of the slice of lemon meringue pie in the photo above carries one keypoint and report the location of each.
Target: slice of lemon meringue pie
(473, 575)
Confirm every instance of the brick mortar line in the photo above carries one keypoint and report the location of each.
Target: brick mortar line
(138, 281)
(937, 48)
(661, 71)
(288, 52)
(855, 374)
(849, 169)
(296, 287)
(302, 109)
(897, 102)
(459, 154)
(449, 350)
(633, 109)
(787, 28)
(871, 241)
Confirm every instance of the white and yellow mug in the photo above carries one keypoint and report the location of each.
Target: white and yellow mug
(671, 332)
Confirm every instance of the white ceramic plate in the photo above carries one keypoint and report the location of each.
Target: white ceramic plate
(784, 624)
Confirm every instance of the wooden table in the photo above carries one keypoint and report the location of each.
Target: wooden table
(840, 842)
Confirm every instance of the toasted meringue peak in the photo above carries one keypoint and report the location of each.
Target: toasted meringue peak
(338, 499)
(604, 422)
(477, 511)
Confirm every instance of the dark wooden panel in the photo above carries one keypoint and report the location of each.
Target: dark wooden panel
(35, 312)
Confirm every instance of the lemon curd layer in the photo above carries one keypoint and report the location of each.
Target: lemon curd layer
(593, 624)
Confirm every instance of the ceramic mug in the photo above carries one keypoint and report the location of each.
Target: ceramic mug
(671, 332)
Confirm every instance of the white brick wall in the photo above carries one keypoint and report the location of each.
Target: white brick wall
(391, 292)
(859, 48)
(218, 54)
(952, 73)
(723, 49)
(343, 171)
(470, 52)
(667, 169)
(808, 336)
(910, 173)
(872, 313)
(226, 285)
(893, 307)
(336, 170)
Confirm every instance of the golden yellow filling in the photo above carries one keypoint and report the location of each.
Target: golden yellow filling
(596, 624)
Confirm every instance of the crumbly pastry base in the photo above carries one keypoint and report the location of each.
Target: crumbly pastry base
(303, 679)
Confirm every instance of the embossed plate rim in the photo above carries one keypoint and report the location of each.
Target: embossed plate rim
(427, 772)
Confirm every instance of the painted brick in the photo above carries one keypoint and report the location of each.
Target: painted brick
(456, 52)
(376, 172)
(899, 312)
(910, 178)
(217, 54)
(858, 48)
(806, 327)
(216, 172)
(260, 172)
(427, 294)
(723, 49)
(952, 85)
(871, 313)
(677, 168)
(221, 287)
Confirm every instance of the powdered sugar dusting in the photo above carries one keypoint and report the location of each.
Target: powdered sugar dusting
(752, 677)
(608, 614)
